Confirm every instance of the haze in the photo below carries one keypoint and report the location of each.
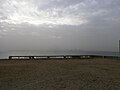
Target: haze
(92, 25)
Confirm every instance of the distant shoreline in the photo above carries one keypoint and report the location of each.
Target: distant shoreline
(6, 54)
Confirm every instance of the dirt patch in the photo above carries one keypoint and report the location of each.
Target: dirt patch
(74, 74)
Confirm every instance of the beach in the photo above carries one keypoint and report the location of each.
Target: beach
(60, 74)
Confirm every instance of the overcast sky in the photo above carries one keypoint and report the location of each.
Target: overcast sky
(59, 25)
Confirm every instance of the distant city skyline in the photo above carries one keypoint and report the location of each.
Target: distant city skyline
(88, 25)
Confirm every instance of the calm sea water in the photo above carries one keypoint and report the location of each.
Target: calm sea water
(6, 54)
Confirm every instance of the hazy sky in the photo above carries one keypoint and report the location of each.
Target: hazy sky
(59, 24)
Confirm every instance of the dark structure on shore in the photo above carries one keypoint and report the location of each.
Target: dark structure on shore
(59, 57)
(51, 57)
(119, 47)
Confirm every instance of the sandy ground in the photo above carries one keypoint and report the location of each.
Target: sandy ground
(83, 74)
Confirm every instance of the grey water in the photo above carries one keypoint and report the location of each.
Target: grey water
(6, 54)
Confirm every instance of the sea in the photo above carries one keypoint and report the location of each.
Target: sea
(6, 54)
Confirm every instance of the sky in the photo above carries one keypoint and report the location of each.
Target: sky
(90, 25)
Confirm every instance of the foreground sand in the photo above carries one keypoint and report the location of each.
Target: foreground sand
(91, 74)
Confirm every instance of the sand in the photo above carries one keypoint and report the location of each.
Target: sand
(73, 74)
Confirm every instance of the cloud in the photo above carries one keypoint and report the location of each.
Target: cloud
(52, 13)
(56, 12)
(18, 12)
(69, 24)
